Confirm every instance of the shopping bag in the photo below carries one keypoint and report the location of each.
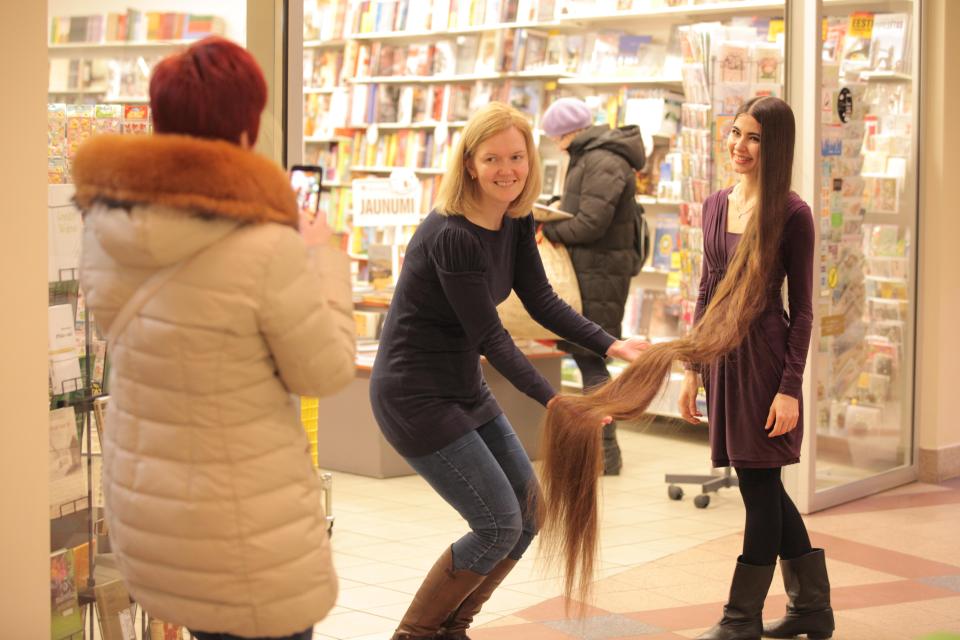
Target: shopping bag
(563, 279)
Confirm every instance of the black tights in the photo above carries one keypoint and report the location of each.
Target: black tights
(774, 526)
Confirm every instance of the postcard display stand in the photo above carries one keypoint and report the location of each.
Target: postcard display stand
(866, 215)
(76, 375)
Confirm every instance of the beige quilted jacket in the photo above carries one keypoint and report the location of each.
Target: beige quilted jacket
(213, 506)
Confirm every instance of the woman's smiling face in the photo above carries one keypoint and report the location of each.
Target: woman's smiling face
(744, 144)
(500, 166)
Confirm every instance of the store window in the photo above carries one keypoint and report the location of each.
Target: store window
(868, 214)
(392, 88)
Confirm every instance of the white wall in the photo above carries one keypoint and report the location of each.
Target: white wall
(24, 475)
(939, 320)
(234, 12)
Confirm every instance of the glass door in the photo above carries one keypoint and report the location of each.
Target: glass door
(860, 374)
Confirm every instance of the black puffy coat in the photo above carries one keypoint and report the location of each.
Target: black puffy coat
(600, 190)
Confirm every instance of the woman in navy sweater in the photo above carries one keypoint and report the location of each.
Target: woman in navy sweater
(427, 388)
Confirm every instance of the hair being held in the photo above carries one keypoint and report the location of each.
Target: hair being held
(572, 442)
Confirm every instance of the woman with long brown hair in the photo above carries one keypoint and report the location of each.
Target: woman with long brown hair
(751, 354)
(427, 388)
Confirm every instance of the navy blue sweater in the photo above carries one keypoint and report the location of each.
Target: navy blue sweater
(427, 387)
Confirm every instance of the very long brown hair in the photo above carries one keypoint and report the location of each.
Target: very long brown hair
(572, 443)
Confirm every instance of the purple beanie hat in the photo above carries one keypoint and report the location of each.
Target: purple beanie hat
(566, 115)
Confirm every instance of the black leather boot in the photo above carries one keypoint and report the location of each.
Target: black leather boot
(612, 460)
(808, 606)
(742, 614)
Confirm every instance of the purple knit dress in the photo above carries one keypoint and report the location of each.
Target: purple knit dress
(742, 384)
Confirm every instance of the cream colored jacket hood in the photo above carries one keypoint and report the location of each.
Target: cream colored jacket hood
(213, 506)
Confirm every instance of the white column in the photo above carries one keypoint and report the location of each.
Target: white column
(24, 470)
(804, 42)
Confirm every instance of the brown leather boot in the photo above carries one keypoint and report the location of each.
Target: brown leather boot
(442, 591)
(742, 614)
(455, 628)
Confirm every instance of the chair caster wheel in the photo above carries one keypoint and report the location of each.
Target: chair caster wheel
(675, 492)
(701, 501)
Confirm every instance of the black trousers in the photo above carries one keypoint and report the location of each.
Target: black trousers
(774, 526)
(593, 370)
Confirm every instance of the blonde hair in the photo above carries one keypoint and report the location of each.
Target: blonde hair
(458, 194)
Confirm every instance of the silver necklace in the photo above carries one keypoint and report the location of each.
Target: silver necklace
(742, 209)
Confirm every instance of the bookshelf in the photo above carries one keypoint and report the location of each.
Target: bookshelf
(63, 48)
(408, 82)
(427, 35)
(673, 84)
(580, 11)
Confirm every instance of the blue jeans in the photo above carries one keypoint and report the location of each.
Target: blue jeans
(486, 476)
(306, 634)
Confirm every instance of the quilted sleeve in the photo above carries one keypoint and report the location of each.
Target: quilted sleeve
(307, 317)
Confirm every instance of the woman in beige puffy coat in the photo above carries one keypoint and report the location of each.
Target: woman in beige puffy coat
(212, 502)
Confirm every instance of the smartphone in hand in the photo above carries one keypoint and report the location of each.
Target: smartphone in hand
(307, 182)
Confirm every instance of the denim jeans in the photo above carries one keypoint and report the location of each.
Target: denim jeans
(486, 476)
(306, 634)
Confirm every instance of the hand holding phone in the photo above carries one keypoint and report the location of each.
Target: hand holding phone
(307, 182)
(314, 228)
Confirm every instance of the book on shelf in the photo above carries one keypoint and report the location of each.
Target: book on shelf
(64, 358)
(133, 26)
(548, 213)
(526, 97)
(160, 630)
(665, 242)
(856, 42)
(114, 611)
(321, 68)
(368, 324)
(834, 36)
(490, 52)
(67, 483)
(889, 38)
(66, 619)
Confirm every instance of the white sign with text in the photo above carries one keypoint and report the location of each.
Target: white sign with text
(393, 201)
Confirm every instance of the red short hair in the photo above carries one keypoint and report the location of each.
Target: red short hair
(213, 89)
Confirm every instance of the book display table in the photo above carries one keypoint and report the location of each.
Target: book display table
(350, 441)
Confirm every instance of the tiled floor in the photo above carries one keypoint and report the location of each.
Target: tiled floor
(665, 566)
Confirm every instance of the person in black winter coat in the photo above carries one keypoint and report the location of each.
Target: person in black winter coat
(600, 191)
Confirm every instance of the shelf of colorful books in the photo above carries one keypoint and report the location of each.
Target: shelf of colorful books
(687, 13)
(534, 74)
(675, 84)
(867, 5)
(325, 140)
(101, 97)
(652, 270)
(652, 201)
(76, 92)
(427, 171)
(885, 76)
(324, 44)
(420, 36)
(76, 47)
(389, 126)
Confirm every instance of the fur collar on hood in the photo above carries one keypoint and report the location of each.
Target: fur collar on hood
(211, 177)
